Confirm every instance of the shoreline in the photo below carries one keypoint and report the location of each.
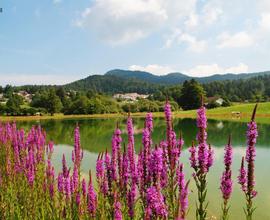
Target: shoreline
(244, 117)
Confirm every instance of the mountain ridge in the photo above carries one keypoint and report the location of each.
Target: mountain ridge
(123, 81)
(177, 77)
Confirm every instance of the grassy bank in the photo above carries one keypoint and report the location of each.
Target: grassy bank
(222, 113)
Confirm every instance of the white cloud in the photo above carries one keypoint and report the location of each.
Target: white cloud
(208, 70)
(265, 21)
(193, 44)
(38, 79)
(263, 5)
(153, 68)
(192, 21)
(211, 13)
(240, 39)
(121, 22)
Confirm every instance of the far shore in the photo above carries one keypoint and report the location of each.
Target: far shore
(241, 113)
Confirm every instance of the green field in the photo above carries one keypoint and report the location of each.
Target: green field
(224, 113)
(229, 113)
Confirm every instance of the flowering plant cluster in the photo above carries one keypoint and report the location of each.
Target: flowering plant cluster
(149, 185)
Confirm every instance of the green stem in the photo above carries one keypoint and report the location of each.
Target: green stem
(201, 210)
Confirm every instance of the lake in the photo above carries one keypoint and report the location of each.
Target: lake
(96, 136)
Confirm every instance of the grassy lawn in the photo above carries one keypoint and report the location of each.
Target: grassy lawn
(224, 113)
(245, 110)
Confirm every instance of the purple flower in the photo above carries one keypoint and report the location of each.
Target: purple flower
(116, 146)
(108, 167)
(67, 188)
(228, 156)
(60, 181)
(77, 154)
(78, 198)
(201, 137)
(131, 200)
(75, 178)
(156, 164)
(156, 203)
(201, 119)
(125, 175)
(226, 184)
(30, 175)
(117, 208)
(84, 187)
(242, 178)
(64, 166)
(193, 158)
(131, 150)
(183, 192)
(99, 167)
(149, 121)
(91, 199)
(252, 135)
(168, 112)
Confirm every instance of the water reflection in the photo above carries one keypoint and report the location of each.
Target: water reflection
(96, 133)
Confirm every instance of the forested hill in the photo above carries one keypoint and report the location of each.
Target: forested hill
(123, 81)
(176, 78)
(111, 84)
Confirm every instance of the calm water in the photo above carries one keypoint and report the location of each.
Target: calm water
(96, 137)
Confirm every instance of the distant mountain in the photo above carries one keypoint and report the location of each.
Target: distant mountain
(175, 78)
(171, 78)
(111, 84)
(122, 81)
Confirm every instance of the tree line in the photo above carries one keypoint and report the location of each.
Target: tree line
(54, 99)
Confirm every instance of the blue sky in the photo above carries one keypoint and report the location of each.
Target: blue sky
(58, 41)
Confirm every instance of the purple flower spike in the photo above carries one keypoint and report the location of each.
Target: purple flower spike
(242, 178)
(193, 158)
(155, 203)
(100, 167)
(84, 187)
(226, 184)
(116, 146)
(228, 155)
(117, 208)
(183, 193)
(91, 198)
(60, 180)
(203, 150)
(131, 150)
(149, 121)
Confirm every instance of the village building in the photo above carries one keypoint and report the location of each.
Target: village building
(130, 96)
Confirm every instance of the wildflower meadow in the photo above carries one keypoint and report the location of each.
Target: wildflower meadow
(150, 184)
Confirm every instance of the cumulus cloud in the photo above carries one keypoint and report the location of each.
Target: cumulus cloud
(265, 21)
(121, 22)
(210, 69)
(192, 21)
(211, 13)
(240, 39)
(153, 68)
(192, 43)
